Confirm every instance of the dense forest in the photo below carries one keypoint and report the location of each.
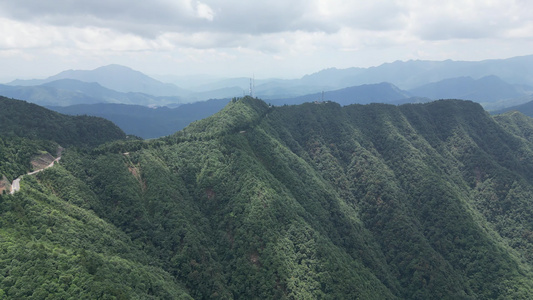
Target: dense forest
(27, 130)
(315, 201)
(23, 119)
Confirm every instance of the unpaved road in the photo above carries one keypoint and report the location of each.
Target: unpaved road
(15, 186)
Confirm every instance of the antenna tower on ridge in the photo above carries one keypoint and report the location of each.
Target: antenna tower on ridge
(252, 85)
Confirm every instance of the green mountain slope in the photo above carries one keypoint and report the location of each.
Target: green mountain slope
(28, 130)
(22, 119)
(54, 247)
(316, 201)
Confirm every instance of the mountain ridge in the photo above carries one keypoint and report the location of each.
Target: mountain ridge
(318, 200)
(115, 77)
(404, 74)
(485, 90)
(383, 92)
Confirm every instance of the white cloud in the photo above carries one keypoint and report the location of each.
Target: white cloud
(437, 20)
(204, 11)
(266, 33)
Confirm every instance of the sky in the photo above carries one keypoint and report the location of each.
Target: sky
(238, 38)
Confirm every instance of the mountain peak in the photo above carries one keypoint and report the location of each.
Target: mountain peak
(115, 77)
(115, 68)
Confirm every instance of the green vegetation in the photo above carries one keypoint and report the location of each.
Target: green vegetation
(316, 201)
(22, 119)
(27, 129)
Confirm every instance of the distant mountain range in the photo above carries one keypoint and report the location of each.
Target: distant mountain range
(107, 91)
(406, 75)
(65, 92)
(525, 108)
(412, 74)
(382, 92)
(115, 77)
(490, 91)
(148, 122)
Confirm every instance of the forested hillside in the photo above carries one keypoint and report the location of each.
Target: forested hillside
(316, 201)
(27, 130)
(23, 119)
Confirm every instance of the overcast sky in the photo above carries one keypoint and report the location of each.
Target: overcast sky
(275, 38)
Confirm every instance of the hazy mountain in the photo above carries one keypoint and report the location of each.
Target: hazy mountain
(156, 122)
(47, 95)
(90, 88)
(411, 74)
(65, 92)
(525, 108)
(223, 93)
(363, 94)
(147, 122)
(406, 75)
(484, 90)
(115, 77)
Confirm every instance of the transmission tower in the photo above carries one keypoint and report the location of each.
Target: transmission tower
(252, 86)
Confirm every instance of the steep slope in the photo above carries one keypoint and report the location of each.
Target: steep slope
(22, 119)
(53, 247)
(28, 130)
(317, 200)
(419, 201)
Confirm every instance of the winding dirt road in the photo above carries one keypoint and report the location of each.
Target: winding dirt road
(15, 186)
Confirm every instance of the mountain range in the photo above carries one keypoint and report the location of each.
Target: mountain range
(318, 200)
(486, 90)
(525, 108)
(65, 92)
(368, 93)
(496, 84)
(406, 75)
(115, 77)
(157, 122)
(414, 73)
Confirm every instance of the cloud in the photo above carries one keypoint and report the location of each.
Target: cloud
(341, 31)
(427, 20)
(144, 18)
(437, 20)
